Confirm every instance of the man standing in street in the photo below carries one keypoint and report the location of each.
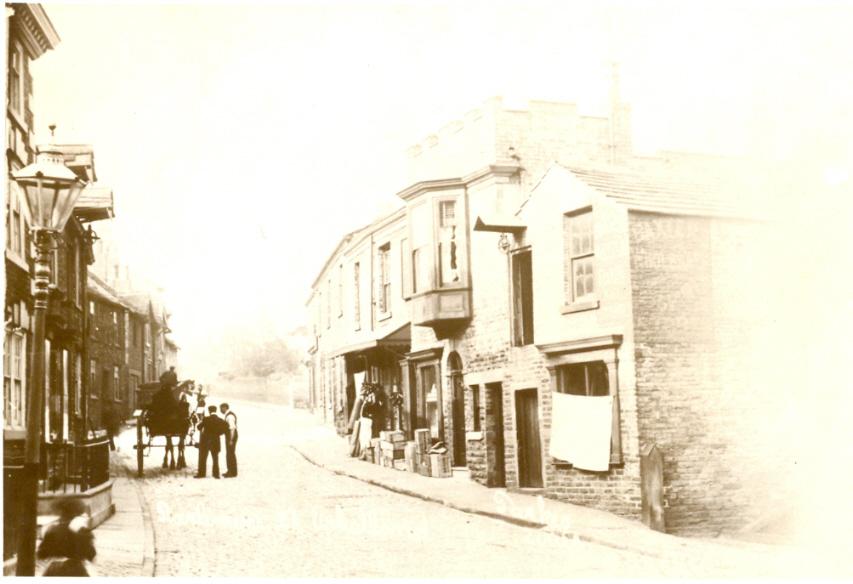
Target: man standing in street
(212, 428)
(230, 441)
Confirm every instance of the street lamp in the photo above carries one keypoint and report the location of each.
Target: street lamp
(51, 190)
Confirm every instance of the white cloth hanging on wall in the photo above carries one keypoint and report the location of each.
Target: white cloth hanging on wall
(581, 430)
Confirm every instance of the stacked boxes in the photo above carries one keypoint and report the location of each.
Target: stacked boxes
(392, 445)
(417, 456)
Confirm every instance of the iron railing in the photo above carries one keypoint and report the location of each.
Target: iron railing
(74, 468)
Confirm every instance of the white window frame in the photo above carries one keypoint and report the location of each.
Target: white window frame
(116, 384)
(16, 225)
(384, 292)
(589, 299)
(15, 403)
(66, 382)
(93, 378)
(17, 69)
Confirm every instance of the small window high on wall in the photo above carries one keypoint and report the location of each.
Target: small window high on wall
(579, 270)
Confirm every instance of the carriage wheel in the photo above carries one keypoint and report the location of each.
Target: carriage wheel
(139, 448)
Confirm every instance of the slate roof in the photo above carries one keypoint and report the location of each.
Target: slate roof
(100, 289)
(679, 193)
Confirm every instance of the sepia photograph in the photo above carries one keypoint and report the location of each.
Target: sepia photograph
(428, 290)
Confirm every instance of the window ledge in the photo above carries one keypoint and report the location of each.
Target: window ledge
(13, 433)
(580, 306)
(17, 259)
(473, 436)
(384, 316)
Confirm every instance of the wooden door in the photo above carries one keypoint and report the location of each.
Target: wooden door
(529, 449)
(459, 458)
(495, 468)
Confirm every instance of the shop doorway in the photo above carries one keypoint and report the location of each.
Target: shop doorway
(454, 363)
(529, 448)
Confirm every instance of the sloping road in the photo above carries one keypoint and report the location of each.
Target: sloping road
(283, 517)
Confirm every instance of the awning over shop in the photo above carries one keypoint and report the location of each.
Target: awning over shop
(398, 341)
(95, 203)
(499, 223)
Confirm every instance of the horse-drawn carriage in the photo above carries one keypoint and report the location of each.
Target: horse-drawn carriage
(164, 415)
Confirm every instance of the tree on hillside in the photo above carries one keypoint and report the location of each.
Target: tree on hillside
(264, 359)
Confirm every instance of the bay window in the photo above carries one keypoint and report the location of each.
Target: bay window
(447, 242)
(437, 244)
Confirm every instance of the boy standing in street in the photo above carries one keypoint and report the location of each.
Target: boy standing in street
(230, 441)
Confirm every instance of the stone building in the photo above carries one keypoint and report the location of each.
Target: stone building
(536, 256)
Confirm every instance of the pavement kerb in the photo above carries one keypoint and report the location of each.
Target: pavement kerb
(149, 564)
(569, 534)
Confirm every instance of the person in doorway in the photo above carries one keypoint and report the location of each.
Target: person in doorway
(230, 441)
(111, 422)
(212, 428)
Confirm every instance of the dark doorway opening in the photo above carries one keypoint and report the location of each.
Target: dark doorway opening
(495, 466)
(454, 363)
(529, 448)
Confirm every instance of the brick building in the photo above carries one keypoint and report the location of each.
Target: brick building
(507, 279)
(108, 366)
(72, 462)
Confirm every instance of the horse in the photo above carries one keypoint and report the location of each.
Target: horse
(173, 421)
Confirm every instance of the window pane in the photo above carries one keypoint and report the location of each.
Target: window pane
(448, 213)
(421, 225)
(598, 380)
(573, 379)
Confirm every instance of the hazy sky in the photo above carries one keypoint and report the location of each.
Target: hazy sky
(242, 141)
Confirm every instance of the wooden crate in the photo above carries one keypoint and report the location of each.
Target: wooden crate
(439, 465)
(422, 439)
(411, 456)
(424, 466)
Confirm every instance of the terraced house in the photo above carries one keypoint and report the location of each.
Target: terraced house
(73, 463)
(568, 318)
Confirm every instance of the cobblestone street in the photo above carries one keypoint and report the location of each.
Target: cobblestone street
(285, 517)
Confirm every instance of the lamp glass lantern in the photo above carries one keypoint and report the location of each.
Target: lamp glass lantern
(51, 190)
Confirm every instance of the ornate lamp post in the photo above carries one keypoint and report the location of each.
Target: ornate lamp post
(51, 189)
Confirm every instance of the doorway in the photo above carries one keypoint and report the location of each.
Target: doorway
(529, 448)
(454, 363)
(495, 468)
